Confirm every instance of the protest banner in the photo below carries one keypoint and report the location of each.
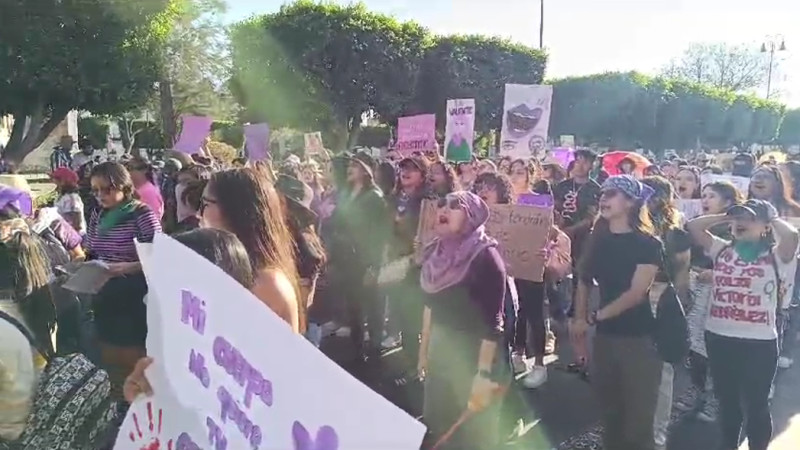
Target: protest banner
(690, 208)
(526, 119)
(313, 143)
(416, 133)
(521, 231)
(742, 183)
(230, 374)
(460, 130)
(567, 140)
(194, 132)
(256, 142)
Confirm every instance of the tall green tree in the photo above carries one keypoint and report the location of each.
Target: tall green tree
(790, 128)
(59, 55)
(321, 66)
(476, 67)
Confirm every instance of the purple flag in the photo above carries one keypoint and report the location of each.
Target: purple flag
(256, 142)
(195, 130)
(539, 200)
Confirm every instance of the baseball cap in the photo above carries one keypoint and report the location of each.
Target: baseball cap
(755, 209)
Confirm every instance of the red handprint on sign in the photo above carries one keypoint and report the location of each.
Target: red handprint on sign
(150, 439)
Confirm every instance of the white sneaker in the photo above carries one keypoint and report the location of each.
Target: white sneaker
(519, 363)
(536, 378)
(784, 362)
(342, 332)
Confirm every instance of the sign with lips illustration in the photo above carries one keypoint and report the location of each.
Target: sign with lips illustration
(526, 120)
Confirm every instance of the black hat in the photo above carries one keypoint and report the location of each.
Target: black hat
(755, 209)
(298, 194)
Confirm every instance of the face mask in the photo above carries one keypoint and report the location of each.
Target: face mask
(748, 251)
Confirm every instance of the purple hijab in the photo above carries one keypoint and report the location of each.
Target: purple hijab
(446, 261)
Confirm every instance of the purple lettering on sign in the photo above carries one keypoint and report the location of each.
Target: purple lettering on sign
(235, 364)
(215, 436)
(192, 309)
(230, 410)
(461, 110)
(185, 442)
(326, 438)
(197, 366)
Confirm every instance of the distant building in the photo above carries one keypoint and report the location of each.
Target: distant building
(40, 157)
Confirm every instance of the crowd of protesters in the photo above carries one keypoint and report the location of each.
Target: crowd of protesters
(313, 238)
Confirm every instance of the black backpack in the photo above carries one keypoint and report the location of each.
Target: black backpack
(671, 331)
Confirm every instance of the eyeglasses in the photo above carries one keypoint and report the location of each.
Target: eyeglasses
(204, 203)
(451, 203)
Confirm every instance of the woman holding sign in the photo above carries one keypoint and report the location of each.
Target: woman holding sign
(462, 351)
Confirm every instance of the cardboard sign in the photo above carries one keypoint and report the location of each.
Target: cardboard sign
(313, 142)
(229, 373)
(742, 183)
(690, 208)
(533, 199)
(522, 232)
(416, 133)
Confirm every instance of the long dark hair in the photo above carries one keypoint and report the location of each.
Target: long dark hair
(259, 222)
(450, 176)
(223, 249)
(664, 214)
(500, 182)
(25, 275)
(793, 170)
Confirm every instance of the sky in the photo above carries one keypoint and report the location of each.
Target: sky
(590, 36)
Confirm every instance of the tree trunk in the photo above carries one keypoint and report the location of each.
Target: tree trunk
(168, 121)
(22, 143)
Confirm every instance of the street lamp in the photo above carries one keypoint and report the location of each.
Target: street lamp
(772, 46)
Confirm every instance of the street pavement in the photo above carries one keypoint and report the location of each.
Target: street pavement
(563, 414)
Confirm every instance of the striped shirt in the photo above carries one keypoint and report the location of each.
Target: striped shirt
(116, 245)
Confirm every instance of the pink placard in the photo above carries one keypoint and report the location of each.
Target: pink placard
(194, 131)
(257, 141)
(416, 133)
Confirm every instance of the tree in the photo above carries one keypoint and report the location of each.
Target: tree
(198, 66)
(790, 128)
(324, 65)
(59, 55)
(732, 67)
(475, 67)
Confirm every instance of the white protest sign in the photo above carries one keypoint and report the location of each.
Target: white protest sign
(742, 183)
(526, 121)
(230, 374)
(690, 208)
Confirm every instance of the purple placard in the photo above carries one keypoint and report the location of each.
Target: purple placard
(564, 155)
(257, 141)
(194, 131)
(539, 200)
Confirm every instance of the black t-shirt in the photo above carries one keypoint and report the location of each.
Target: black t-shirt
(612, 263)
(574, 203)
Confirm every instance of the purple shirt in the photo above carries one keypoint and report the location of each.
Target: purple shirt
(116, 244)
(151, 196)
(66, 234)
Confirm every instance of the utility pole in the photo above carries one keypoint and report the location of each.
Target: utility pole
(541, 24)
(771, 47)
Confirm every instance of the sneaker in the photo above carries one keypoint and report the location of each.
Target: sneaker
(536, 378)
(519, 362)
(390, 342)
(709, 412)
(550, 343)
(689, 400)
(784, 362)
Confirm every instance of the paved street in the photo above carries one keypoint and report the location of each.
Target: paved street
(563, 410)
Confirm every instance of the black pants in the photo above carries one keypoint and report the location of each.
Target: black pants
(363, 302)
(406, 307)
(743, 370)
(531, 313)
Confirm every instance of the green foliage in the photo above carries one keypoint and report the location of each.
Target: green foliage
(94, 129)
(790, 128)
(476, 67)
(319, 66)
(374, 136)
(58, 55)
(625, 110)
(230, 133)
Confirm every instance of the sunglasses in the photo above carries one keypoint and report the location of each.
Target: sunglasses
(204, 203)
(451, 203)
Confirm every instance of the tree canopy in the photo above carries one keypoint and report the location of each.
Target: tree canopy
(733, 67)
(59, 55)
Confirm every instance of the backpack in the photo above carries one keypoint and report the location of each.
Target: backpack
(72, 407)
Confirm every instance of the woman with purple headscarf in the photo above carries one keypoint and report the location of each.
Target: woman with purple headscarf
(463, 356)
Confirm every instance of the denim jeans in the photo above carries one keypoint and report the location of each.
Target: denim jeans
(314, 334)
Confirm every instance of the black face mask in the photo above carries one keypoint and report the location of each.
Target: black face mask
(742, 168)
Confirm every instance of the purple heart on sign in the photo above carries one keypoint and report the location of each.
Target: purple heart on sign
(326, 438)
(539, 200)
